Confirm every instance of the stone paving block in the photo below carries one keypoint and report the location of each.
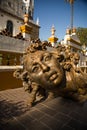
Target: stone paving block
(66, 127)
(39, 106)
(46, 110)
(51, 122)
(82, 109)
(58, 107)
(15, 125)
(62, 117)
(37, 125)
(77, 125)
(79, 116)
(60, 101)
(36, 114)
(56, 114)
(25, 120)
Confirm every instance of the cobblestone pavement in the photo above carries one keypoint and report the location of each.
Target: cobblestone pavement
(57, 114)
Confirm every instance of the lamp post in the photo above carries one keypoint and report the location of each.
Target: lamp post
(84, 50)
(72, 10)
(72, 14)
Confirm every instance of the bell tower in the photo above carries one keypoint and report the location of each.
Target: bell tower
(53, 39)
(29, 8)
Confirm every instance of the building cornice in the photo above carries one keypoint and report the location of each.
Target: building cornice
(13, 15)
(25, 29)
(18, 17)
(75, 48)
(73, 41)
(53, 39)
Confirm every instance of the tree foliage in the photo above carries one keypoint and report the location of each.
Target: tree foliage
(82, 34)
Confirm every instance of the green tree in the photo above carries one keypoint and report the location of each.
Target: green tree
(82, 34)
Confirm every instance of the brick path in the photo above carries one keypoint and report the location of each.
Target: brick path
(57, 114)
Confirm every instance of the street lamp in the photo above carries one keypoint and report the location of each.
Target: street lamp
(72, 10)
(84, 50)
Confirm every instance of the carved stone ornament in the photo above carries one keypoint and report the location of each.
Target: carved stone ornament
(50, 72)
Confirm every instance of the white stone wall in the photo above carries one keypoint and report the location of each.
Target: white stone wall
(13, 7)
(15, 14)
(16, 22)
(10, 44)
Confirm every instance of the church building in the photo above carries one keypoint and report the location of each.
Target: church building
(15, 33)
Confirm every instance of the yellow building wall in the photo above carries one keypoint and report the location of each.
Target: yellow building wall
(7, 81)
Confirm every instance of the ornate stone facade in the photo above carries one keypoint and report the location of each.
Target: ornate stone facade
(12, 40)
(12, 17)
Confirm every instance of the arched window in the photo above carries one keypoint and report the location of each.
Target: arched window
(10, 27)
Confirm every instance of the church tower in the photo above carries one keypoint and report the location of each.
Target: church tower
(12, 16)
(15, 32)
(53, 39)
(29, 8)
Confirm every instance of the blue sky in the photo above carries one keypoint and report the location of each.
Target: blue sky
(57, 13)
